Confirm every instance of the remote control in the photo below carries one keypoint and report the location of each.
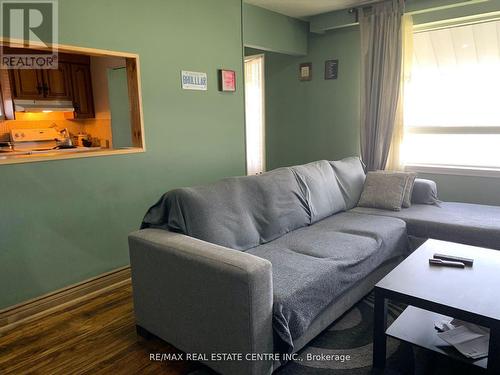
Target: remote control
(446, 263)
(467, 261)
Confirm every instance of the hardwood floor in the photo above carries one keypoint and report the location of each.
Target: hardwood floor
(96, 336)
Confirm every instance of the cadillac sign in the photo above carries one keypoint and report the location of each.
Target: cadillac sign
(193, 80)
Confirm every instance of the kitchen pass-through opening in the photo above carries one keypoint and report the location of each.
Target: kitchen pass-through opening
(87, 104)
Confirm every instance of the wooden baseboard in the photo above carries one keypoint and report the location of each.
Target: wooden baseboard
(48, 303)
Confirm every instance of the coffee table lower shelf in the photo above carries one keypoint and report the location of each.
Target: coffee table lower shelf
(416, 326)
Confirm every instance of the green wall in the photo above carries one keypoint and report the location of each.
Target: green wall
(65, 221)
(318, 119)
(270, 31)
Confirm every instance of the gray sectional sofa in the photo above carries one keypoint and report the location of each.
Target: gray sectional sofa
(262, 264)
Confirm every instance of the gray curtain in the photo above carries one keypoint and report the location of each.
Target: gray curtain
(381, 64)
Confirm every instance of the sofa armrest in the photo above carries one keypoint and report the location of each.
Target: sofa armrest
(203, 298)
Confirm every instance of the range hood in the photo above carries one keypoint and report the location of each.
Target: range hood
(22, 105)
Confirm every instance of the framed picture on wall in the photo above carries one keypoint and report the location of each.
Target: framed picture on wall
(305, 72)
(227, 80)
(331, 69)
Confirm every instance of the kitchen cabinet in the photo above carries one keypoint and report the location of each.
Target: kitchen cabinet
(57, 82)
(26, 83)
(82, 91)
(42, 84)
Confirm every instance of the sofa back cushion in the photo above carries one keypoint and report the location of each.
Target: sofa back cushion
(350, 175)
(236, 212)
(320, 188)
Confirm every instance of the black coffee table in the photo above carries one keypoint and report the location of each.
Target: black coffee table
(470, 294)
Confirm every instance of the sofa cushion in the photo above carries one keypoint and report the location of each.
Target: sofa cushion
(424, 192)
(321, 189)
(350, 175)
(471, 224)
(236, 212)
(313, 266)
(384, 190)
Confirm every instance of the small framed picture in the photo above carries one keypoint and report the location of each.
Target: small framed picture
(331, 69)
(305, 72)
(227, 80)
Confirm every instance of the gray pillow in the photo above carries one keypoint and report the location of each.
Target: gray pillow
(321, 189)
(409, 186)
(350, 175)
(425, 192)
(384, 190)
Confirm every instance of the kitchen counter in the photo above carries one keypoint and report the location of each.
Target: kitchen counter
(13, 157)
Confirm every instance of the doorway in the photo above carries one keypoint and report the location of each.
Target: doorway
(255, 114)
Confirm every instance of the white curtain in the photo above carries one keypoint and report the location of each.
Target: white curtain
(254, 113)
(381, 57)
(394, 160)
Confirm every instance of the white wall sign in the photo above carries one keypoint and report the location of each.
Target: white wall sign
(193, 80)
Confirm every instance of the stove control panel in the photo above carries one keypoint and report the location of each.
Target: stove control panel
(33, 135)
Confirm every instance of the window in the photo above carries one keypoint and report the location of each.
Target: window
(452, 101)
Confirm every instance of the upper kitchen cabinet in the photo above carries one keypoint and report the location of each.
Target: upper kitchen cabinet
(57, 82)
(42, 84)
(26, 83)
(82, 91)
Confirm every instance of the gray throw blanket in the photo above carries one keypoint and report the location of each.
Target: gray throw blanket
(236, 212)
(314, 266)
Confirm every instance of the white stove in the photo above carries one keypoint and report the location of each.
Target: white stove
(34, 139)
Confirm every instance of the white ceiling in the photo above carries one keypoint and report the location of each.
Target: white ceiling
(304, 8)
